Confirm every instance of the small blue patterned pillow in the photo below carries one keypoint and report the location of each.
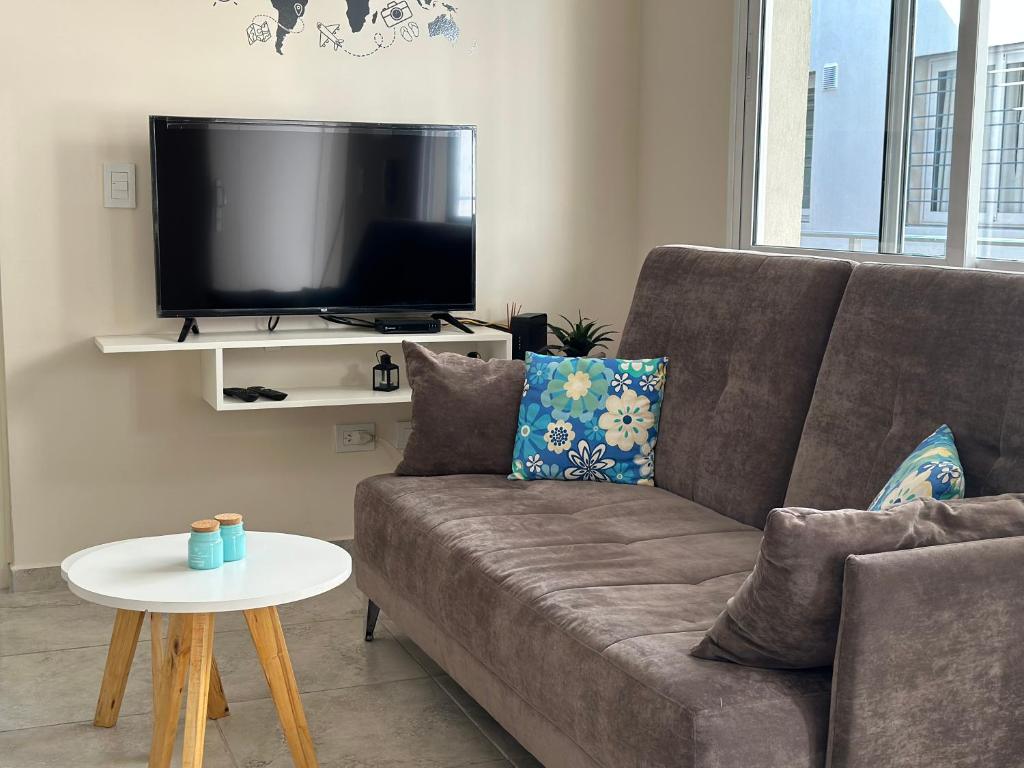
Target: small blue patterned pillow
(585, 418)
(933, 471)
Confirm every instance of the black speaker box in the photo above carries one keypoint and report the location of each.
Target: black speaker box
(529, 333)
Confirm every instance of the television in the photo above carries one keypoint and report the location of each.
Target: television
(259, 217)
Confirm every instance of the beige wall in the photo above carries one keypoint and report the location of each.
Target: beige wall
(685, 131)
(103, 447)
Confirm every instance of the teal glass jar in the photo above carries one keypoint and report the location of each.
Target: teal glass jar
(205, 546)
(233, 533)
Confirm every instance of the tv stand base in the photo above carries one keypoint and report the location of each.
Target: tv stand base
(452, 321)
(190, 324)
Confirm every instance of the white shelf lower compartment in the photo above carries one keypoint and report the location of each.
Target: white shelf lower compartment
(319, 397)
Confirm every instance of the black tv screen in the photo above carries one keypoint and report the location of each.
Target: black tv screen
(271, 218)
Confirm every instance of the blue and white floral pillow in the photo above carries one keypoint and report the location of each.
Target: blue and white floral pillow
(586, 418)
(932, 471)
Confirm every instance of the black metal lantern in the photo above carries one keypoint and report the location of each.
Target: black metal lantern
(385, 373)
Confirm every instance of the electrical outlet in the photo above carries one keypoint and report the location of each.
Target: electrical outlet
(355, 437)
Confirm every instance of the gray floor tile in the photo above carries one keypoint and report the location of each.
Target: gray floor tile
(61, 686)
(324, 654)
(382, 710)
(343, 602)
(429, 665)
(479, 716)
(47, 621)
(81, 745)
(409, 723)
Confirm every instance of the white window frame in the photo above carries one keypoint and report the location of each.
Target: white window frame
(967, 172)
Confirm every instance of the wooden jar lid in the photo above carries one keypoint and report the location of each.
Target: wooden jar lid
(205, 526)
(229, 518)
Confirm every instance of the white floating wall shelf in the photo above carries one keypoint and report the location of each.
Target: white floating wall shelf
(215, 349)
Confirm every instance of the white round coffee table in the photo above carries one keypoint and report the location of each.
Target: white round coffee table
(151, 575)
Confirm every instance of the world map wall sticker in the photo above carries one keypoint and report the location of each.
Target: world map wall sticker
(359, 28)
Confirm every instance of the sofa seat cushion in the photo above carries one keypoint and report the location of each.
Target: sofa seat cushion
(586, 593)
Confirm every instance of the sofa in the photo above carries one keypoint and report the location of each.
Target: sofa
(569, 609)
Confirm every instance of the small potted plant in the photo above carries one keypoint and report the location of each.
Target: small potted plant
(580, 338)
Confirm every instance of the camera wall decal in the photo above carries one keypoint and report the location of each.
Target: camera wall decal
(369, 26)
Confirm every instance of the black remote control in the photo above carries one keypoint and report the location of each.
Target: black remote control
(241, 394)
(270, 394)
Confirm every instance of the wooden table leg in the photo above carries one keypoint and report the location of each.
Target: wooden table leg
(156, 655)
(170, 682)
(123, 639)
(200, 663)
(268, 637)
(217, 706)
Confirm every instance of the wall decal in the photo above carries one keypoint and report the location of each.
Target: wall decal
(369, 26)
(410, 31)
(258, 33)
(289, 15)
(329, 35)
(391, 19)
(444, 26)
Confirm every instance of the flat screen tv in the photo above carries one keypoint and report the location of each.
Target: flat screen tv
(256, 217)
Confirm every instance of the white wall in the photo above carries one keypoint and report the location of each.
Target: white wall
(105, 447)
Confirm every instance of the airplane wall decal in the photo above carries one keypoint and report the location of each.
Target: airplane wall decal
(329, 35)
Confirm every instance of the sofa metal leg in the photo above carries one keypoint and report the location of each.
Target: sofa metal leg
(372, 612)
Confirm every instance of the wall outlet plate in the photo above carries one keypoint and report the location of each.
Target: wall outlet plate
(349, 438)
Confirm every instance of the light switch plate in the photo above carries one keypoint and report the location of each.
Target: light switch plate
(119, 185)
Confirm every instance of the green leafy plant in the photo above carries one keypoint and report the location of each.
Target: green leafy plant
(580, 338)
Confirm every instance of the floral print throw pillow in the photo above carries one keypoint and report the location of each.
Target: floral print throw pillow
(586, 418)
(932, 471)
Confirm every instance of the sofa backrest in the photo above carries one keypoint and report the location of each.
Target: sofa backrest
(745, 334)
(913, 348)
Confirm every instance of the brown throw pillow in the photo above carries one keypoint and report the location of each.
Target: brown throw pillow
(786, 614)
(464, 413)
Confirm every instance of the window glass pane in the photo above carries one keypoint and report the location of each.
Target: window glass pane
(930, 127)
(822, 124)
(1001, 219)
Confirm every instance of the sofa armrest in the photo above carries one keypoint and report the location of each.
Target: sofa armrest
(928, 669)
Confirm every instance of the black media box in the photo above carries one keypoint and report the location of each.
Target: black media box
(529, 333)
(410, 324)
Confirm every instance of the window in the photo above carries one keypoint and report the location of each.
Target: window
(902, 170)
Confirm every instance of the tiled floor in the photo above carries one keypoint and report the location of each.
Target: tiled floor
(369, 704)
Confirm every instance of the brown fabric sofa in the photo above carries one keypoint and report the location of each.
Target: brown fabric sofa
(568, 610)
